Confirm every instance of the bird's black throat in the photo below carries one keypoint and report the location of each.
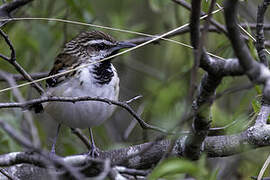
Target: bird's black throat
(103, 72)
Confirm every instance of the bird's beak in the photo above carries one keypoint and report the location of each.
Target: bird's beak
(123, 45)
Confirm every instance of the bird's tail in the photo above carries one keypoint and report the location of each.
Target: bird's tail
(37, 108)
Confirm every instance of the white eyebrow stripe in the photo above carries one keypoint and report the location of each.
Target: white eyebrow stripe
(98, 42)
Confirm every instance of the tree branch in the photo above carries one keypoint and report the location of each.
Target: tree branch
(27, 115)
(19, 77)
(12, 61)
(82, 137)
(255, 71)
(7, 8)
(206, 91)
(215, 146)
(15, 4)
(44, 156)
(30, 103)
(186, 5)
(240, 48)
(260, 32)
(260, 47)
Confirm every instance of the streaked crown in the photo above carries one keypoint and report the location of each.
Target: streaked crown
(93, 38)
(94, 44)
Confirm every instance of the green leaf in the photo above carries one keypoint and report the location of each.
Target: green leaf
(256, 106)
(258, 89)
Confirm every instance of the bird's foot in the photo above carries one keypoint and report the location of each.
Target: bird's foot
(93, 152)
(52, 154)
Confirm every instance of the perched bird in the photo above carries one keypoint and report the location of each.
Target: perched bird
(98, 79)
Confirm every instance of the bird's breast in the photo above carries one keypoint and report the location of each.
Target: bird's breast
(85, 83)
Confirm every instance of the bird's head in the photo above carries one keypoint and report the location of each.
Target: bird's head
(96, 45)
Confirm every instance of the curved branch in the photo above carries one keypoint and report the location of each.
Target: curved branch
(215, 146)
(255, 71)
(15, 4)
(27, 115)
(208, 85)
(239, 46)
(13, 62)
(216, 24)
(7, 8)
(260, 32)
(30, 103)
(219, 67)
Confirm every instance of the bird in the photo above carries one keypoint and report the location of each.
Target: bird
(94, 79)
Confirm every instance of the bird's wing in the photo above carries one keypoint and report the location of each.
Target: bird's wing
(63, 62)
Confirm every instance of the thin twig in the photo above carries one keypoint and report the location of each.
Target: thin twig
(215, 23)
(195, 42)
(265, 165)
(24, 142)
(134, 99)
(12, 61)
(19, 77)
(27, 115)
(7, 175)
(221, 27)
(133, 122)
(260, 42)
(198, 41)
(15, 4)
(7, 8)
(82, 137)
(124, 105)
(260, 32)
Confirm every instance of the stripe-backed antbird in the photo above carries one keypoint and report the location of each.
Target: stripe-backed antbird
(94, 79)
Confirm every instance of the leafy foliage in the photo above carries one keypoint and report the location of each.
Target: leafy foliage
(159, 72)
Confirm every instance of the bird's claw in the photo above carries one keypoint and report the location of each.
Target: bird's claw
(93, 152)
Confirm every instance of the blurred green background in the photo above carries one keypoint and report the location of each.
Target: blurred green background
(159, 72)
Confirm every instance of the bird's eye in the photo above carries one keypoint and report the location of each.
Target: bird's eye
(100, 46)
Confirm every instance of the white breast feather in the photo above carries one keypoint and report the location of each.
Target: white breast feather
(88, 113)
